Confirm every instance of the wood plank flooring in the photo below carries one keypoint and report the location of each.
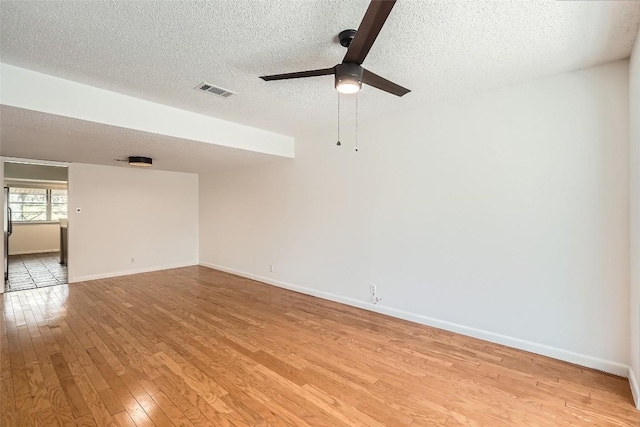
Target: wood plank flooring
(197, 347)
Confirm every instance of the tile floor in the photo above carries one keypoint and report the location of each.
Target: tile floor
(35, 271)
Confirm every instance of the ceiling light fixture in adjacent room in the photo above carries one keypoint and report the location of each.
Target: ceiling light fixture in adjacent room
(141, 162)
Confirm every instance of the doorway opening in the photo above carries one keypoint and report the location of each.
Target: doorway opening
(35, 225)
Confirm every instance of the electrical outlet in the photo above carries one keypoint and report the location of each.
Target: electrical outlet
(271, 268)
(374, 294)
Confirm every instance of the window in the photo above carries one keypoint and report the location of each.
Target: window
(58, 200)
(37, 204)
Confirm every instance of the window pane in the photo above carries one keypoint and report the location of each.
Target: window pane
(27, 198)
(59, 196)
(28, 204)
(29, 216)
(58, 204)
(27, 195)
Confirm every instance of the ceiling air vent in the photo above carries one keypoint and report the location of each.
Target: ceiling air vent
(208, 87)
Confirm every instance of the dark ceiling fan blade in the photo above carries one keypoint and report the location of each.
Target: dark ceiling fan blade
(369, 29)
(383, 84)
(300, 74)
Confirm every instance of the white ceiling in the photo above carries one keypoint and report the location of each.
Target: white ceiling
(160, 50)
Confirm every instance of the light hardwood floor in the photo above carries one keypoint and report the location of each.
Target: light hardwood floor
(195, 346)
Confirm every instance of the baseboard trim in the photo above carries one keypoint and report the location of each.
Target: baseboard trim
(635, 388)
(542, 349)
(42, 251)
(129, 272)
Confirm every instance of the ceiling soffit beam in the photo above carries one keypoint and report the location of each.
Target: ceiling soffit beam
(31, 90)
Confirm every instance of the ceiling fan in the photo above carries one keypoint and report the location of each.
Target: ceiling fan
(349, 75)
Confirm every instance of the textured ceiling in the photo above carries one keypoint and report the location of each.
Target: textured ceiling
(41, 136)
(160, 50)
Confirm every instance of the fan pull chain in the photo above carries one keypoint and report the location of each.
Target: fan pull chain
(338, 143)
(357, 122)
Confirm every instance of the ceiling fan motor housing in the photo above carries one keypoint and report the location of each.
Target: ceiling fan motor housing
(348, 73)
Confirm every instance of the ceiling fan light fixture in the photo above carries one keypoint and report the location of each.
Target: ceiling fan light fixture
(348, 87)
(348, 78)
(141, 162)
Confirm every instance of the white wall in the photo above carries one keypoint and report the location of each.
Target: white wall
(35, 172)
(2, 216)
(634, 74)
(34, 238)
(504, 216)
(148, 215)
